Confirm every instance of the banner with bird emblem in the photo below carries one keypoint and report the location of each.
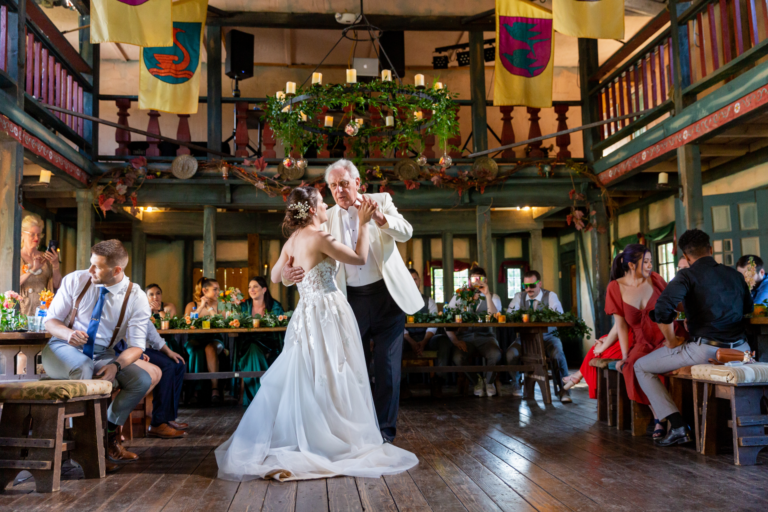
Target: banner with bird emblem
(138, 22)
(590, 19)
(170, 77)
(524, 55)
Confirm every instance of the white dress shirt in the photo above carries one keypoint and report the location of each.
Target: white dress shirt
(137, 313)
(554, 302)
(154, 340)
(358, 275)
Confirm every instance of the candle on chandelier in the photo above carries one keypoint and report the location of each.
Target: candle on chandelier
(390, 121)
(663, 178)
(351, 76)
(280, 95)
(329, 121)
(386, 75)
(359, 122)
(419, 80)
(303, 117)
(317, 78)
(290, 88)
(438, 85)
(45, 176)
(417, 115)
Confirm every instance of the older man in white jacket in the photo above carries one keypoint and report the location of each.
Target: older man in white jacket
(381, 292)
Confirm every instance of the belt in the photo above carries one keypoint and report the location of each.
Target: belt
(720, 344)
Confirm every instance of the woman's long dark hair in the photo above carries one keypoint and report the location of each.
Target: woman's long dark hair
(633, 253)
(268, 300)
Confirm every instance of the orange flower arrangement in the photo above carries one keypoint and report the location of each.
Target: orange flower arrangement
(25, 269)
(188, 320)
(234, 323)
(46, 296)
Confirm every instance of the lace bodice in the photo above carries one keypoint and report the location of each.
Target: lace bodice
(319, 281)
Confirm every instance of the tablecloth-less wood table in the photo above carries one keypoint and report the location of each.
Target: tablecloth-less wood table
(18, 353)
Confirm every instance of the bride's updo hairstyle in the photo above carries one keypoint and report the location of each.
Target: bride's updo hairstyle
(632, 253)
(297, 214)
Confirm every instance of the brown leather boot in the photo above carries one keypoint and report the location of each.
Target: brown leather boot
(165, 431)
(116, 452)
(111, 466)
(178, 425)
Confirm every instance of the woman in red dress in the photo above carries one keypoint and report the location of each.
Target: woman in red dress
(604, 348)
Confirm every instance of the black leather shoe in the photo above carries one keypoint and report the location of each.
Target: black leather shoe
(679, 435)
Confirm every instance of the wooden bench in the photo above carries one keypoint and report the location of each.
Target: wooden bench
(606, 402)
(32, 435)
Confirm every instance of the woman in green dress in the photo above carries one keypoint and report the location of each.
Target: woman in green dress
(254, 352)
(204, 349)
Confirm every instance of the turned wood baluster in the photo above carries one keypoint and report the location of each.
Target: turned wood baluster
(739, 31)
(712, 22)
(662, 74)
(75, 86)
(59, 86)
(456, 140)
(534, 148)
(653, 77)
(620, 85)
(30, 63)
(122, 137)
(80, 110)
(601, 112)
(241, 130)
(36, 73)
(44, 75)
(323, 151)
(507, 131)
(375, 121)
(348, 152)
(153, 127)
(182, 134)
(268, 140)
(3, 37)
(562, 141)
(51, 97)
(725, 31)
(67, 99)
(429, 140)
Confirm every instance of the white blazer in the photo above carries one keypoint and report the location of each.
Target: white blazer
(382, 240)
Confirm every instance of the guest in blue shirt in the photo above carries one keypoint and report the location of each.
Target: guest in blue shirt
(760, 289)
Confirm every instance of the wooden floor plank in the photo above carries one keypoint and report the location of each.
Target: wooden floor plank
(343, 495)
(374, 495)
(281, 497)
(405, 493)
(250, 496)
(312, 496)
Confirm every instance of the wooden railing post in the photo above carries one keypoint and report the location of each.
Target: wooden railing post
(30, 63)
(562, 141)
(44, 75)
(36, 72)
(268, 139)
(241, 130)
(4, 37)
(80, 109)
(182, 134)
(507, 131)
(534, 148)
(51, 80)
(153, 127)
(122, 137)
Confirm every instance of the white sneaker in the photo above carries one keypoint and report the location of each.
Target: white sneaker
(480, 387)
(490, 389)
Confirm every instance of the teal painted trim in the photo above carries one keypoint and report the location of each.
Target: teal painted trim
(728, 93)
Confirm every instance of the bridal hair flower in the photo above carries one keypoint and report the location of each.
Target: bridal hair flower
(302, 209)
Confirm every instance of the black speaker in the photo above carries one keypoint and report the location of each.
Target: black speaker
(393, 43)
(239, 46)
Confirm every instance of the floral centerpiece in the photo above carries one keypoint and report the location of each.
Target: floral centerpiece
(10, 319)
(230, 300)
(46, 297)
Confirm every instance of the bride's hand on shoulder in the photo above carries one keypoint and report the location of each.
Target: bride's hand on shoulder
(366, 210)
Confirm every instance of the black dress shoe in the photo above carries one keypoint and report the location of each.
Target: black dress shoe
(680, 435)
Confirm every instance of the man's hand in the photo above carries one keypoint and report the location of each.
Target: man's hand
(420, 347)
(145, 357)
(460, 345)
(175, 357)
(620, 364)
(678, 341)
(378, 216)
(77, 338)
(107, 372)
(291, 273)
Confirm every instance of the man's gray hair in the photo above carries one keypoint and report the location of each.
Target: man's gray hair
(342, 164)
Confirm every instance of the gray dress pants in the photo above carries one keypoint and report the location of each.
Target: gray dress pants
(63, 361)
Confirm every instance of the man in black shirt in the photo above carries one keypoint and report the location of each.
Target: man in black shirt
(715, 298)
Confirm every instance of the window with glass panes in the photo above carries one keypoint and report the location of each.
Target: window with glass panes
(460, 279)
(665, 257)
(514, 281)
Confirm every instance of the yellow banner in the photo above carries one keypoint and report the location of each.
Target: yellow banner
(138, 22)
(524, 55)
(592, 19)
(170, 77)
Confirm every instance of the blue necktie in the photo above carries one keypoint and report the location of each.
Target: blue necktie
(93, 327)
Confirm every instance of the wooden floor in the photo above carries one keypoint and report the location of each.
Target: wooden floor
(476, 454)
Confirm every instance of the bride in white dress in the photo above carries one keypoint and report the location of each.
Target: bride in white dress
(313, 416)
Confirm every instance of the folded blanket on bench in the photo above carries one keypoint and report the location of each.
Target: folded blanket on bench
(746, 374)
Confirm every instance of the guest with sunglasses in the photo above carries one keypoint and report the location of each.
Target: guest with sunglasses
(532, 298)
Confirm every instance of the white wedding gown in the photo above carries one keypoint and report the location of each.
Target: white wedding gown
(313, 416)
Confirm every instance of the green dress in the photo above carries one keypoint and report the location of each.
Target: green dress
(195, 347)
(253, 350)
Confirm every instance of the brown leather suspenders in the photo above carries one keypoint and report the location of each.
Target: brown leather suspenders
(119, 320)
(77, 303)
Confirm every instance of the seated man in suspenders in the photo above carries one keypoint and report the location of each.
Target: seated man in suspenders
(92, 311)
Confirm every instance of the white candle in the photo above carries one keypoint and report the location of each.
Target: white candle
(359, 122)
(317, 78)
(303, 116)
(45, 176)
(280, 96)
(417, 115)
(438, 85)
(290, 87)
(663, 178)
(329, 121)
(351, 76)
(386, 75)
(390, 121)
(419, 79)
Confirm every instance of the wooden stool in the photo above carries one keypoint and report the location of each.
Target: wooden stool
(32, 429)
(606, 390)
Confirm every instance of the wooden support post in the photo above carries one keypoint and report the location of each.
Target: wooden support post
(601, 266)
(254, 255)
(689, 169)
(588, 65)
(537, 254)
(448, 287)
(209, 240)
(214, 90)
(485, 241)
(11, 168)
(477, 89)
(84, 227)
(139, 255)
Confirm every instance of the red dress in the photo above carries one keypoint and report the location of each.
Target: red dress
(590, 372)
(646, 333)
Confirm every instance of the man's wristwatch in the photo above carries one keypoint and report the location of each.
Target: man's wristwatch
(119, 367)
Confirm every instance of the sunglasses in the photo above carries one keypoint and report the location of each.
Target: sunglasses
(530, 285)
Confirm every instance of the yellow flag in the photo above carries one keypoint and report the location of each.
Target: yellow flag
(592, 19)
(524, 55)
(170, 77)
(138, 22)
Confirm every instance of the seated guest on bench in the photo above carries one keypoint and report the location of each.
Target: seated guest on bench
(535, 297)
(92, 311)
(478, 341)
(205, 347)
(254, 352)
(167, 393)
(159, 308)
(760, 290)
(716, 298)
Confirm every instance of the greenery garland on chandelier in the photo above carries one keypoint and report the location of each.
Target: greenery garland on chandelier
(294, 118)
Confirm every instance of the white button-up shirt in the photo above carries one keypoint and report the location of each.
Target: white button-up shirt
(358, 275)
(137, 313)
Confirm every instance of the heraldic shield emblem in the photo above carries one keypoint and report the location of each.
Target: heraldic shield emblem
(525, 45)
(178, 63)
(133, 3)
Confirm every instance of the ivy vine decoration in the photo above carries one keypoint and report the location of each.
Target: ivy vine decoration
(299, 121)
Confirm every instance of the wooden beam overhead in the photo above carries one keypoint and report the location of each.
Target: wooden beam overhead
(756, 130)
(708, 150)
